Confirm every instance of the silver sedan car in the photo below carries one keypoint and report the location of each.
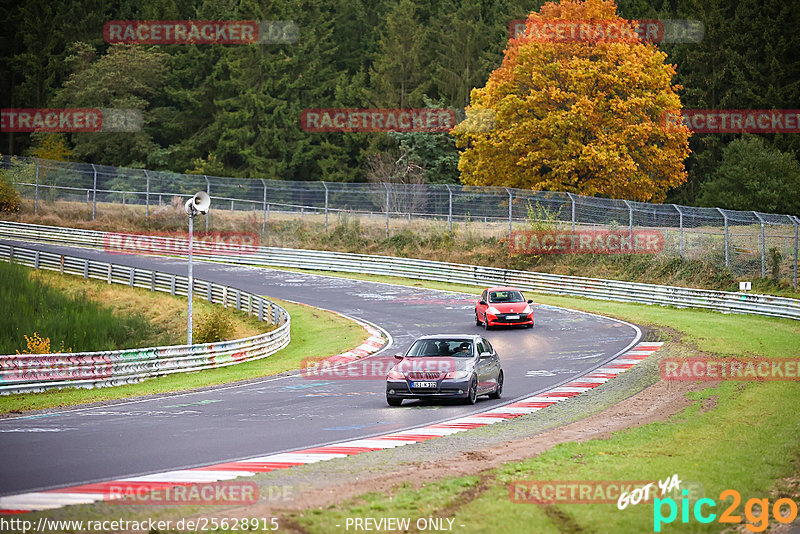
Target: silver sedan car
(446, 366)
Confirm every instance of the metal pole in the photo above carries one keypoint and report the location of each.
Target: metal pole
(763, 247)
(725, 218)
(510, 212)
(264, 208)
(147, 195)
(796, 224)
(680, 213)
(191, 282)
(450, 208)
(36, 192)
(326, 206)
(94, 192)
(572, 201)
(208, 190)
(630, 221)
(387, 208)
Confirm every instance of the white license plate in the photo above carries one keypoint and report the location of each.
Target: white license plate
(423, 384)
(512, 316)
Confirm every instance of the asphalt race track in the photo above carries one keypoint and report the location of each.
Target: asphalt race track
(283, 413)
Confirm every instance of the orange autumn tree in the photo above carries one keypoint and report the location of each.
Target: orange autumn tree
(576, 116)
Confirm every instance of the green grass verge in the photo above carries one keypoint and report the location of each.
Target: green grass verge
(746, 438)
(70, 322)
(315, 333)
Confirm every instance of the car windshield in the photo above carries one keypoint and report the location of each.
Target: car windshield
(456, 348)
(505, 296)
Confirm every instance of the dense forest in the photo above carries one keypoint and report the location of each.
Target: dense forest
(233, 110)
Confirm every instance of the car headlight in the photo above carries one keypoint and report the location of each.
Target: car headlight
(492, 310)
(457, 374)
(394, 374)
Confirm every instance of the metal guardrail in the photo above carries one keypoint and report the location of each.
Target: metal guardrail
(24, 373)
(746, 242)
(721, 301)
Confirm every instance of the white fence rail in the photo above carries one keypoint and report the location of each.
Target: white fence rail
(721, 301)
(24, 373)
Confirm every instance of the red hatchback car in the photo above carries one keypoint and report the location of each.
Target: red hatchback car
(503, 306)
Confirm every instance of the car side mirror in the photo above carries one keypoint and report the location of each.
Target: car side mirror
(530, 301)
(485, 355)
(482, 303)
(399, 356)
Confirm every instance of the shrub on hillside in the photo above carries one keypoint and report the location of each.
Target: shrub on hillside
(215, 326)
(9, 196)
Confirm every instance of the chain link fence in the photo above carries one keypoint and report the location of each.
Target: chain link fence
(749, 243)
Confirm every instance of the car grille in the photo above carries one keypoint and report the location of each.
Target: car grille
(419, 375)
(521, 318)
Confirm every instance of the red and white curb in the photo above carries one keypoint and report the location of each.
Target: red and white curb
(89, 493)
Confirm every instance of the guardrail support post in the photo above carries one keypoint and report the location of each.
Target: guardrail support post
(209, 296)
(61, 265)
(36, 260)
(147, 195)
(680, 224)
(109, 273)
(510, 211)
(630, 220)
(387, 208)
(725, 218)
(450, 208)
(208, 190)
(572, 201)
(36, 190)
(130, 276)
(261, 309)
(763, 247)
(85, 269)
(94, 191)
(172, 287)
(264, 207)
(326, 206)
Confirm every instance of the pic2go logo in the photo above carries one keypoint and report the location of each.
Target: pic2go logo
(756, 511)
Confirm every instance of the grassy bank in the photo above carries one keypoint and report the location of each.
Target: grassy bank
(314, 333)
(470, 243)
(72, 321)
(88, 315)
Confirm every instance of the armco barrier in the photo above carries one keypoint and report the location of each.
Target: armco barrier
(721, 301)
(23, 373)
